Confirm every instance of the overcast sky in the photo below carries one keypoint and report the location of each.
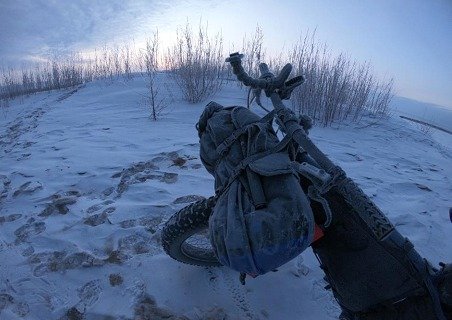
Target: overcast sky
(410, 40)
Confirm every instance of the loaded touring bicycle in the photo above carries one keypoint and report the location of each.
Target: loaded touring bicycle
(276, 197)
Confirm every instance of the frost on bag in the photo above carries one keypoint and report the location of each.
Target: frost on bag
(262, 218)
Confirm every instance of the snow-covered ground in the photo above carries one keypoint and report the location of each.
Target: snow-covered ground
(426, 112)
(87, 180)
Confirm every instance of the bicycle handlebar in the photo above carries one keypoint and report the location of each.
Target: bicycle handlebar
(277, 90)
(267, 81)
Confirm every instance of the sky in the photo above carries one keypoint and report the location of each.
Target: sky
(409, 40)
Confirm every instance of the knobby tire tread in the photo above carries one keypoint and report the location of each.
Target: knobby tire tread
(188, 221)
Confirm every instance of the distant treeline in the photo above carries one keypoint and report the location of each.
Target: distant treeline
(336, 87)
(67, 72)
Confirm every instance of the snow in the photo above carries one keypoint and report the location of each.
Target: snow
(87, 180)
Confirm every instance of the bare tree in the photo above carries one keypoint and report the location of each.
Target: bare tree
(151, 63)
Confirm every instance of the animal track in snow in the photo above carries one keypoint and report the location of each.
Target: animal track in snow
(326, 298)
(238, 294)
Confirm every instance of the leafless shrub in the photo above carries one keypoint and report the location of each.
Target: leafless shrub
(381, 97)
(275, 63)
(151, 57)
(126, 57)
(116, 61)
(196, 63)
(254, 52)
(336, 88)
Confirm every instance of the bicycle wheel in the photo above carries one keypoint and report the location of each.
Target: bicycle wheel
(185, 235)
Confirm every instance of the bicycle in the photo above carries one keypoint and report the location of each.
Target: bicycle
(402, 278)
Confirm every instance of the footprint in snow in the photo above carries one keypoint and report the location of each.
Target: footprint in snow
(57, 261)
(10, 218)
(89, 293)
(19, 308)
(150, 223)
(147, 309)
(5, 187)
(59, 203)
(31, 228)
(28, 188)
(28, 144)
(175, 159)
(99, 206)
(99, 218)
(107, 192)
(140, 173)
(137, 243)
(130, 246)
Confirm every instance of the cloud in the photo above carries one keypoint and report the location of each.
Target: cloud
(32, 29)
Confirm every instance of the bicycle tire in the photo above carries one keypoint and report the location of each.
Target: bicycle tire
(190, 221)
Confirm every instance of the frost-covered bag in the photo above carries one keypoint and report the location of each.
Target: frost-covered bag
(262, 218)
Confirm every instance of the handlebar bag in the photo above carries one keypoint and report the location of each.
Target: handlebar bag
(262, 218)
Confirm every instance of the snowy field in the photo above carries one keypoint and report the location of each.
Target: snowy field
(87, 181)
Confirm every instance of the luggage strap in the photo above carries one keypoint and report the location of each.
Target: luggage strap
(248, 160)
(227, 143)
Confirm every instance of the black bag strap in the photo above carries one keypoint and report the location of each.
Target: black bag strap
(227, 143)
(248, 160)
